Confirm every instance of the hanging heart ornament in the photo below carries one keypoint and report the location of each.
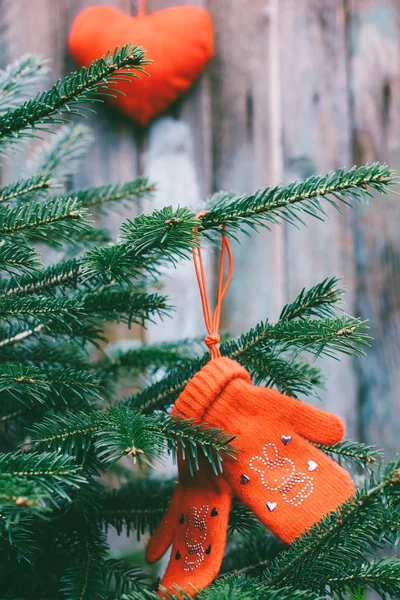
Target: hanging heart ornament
(178, 39)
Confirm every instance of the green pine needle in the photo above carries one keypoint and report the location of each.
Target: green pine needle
(65, 96)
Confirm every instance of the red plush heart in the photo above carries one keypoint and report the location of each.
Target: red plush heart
(178, 39)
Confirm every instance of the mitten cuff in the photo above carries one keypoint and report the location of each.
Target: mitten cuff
(206, 386)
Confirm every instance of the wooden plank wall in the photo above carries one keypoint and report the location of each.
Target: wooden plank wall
(296, 87)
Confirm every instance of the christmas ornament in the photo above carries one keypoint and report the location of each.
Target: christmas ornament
(178, 39)
(289, 485)
(195, 524)
(278, 473)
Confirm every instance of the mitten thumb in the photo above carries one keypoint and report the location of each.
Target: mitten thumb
(161, 539)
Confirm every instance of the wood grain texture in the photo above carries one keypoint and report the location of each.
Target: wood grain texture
(177, 157)
(316, 139)
(374, 74)
(241, 88)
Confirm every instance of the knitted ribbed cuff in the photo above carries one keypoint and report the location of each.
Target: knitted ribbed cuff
(206, 386)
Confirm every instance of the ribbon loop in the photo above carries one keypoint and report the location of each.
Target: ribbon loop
(212, 321)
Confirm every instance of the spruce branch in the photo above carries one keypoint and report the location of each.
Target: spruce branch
(84, 577)
(16, 259)
(20, 79)
(353, 453)
(65, 97)
(33, 185)
(62, 155)
(289, 203)
(97, 197)
(125, 306)
(59, 217)
(381, 576)
(319, 301)
(115, 433)
(52, 472)
(318, 337)
(122, 577)
(139, 506)
(290, 377)
(62, 275)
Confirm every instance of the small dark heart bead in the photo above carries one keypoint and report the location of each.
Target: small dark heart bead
(214, 512)
(182, 519)
(177, 555)
(244, 479)
(208, 551)
(286, 439)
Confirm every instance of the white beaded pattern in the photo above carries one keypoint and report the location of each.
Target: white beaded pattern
(295, 486)
(195, 536)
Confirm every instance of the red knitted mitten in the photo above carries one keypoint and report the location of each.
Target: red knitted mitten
(196, 525)
(285, 480)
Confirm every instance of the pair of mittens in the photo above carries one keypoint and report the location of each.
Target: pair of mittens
(283, 478)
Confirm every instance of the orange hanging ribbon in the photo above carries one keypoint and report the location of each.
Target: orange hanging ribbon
(212, 322)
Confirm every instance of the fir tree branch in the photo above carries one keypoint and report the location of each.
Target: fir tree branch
(231, 587)
(290, 377)
(122, 577)
(84, 578)
(19, 80)
(46, 353)
(165, 355)
(138, 506)
(19, 337)
(288, 203)
(252, 553)
(22, 187)
(319, 301)
(124, 306)
(43, 220)
(52, 472)
(115, 433)
(165, 236)
(17, 538)
(54, 307)
(64, 274)
(192, 437)
(353, 453)
(167, 228)
(62, 155)
(19, 258)
(66, 95)
(96, 197)
(325, 336)
(381, 576)
(319, 337)
(34, 386)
